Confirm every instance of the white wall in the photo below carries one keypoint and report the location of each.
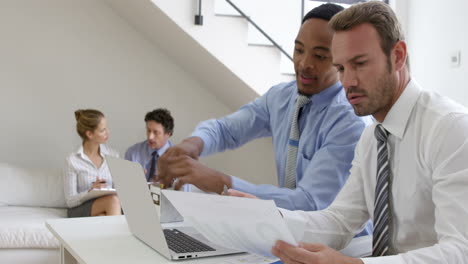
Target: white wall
(435, 30)
(226, 38)
(61, 55)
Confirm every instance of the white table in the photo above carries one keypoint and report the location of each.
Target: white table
(107, 239)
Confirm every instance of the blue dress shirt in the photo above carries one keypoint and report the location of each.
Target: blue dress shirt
(141, 153)
(329, 131)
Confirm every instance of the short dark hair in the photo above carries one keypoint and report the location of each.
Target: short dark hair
(325, 12)
(163, 117)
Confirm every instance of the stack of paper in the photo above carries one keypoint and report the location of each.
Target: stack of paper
(250, 225)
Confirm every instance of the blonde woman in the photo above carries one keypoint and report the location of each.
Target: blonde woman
(86, 168)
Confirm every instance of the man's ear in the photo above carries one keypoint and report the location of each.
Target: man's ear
(399, 55)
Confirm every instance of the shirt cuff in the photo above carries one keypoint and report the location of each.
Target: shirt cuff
(396, 259)
(295, 223)
(206, 142)
(241, 185)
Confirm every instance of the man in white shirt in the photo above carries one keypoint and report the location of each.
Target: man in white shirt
(410, 169)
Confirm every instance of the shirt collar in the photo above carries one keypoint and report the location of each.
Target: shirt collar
(161, 150)
(323, 98)
(397, 118)
(103, 151)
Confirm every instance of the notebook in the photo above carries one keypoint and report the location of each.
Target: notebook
(95, 193)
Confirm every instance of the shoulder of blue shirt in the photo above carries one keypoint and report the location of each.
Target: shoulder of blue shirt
(135, 147)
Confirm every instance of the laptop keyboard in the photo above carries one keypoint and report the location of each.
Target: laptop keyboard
(180, 242)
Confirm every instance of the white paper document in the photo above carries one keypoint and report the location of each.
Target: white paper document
(251, 225)
(95, 193)
(248, 259)
(235, 259)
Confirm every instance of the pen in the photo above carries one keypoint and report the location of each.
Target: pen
(225, 190)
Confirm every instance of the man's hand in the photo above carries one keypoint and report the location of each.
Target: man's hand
(189, 170)
(310, 253)
(237, 193)
(191, 147)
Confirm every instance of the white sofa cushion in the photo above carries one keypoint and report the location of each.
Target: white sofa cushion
(30, 255)
(24, 227)
(31, 187)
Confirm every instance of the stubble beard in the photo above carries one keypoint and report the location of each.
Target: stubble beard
(378, 101)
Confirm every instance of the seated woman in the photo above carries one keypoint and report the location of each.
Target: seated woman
(87, 168)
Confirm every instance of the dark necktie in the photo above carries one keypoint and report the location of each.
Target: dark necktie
(382, 212)
(154, 158)
(293, 144)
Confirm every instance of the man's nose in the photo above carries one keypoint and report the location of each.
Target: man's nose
(306, 63)
(348, 79)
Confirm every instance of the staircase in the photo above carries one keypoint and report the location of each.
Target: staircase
(280, 19)
(218, 53)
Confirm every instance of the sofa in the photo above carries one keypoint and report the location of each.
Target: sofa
(28, 197)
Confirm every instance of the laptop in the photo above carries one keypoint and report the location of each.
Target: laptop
(174, 243)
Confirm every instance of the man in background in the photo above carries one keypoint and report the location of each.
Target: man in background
(159, 128)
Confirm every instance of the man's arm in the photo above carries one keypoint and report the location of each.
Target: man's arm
(324, 232)
(191, 171)
(311, 253)
(324, 174)
(249, 122)
(447, 158)
(346, 216)
(340, 222)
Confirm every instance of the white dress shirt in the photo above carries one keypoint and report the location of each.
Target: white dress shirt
(428, 150)
(80, 173)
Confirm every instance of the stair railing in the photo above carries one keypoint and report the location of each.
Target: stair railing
(199, 21)
(260, 29)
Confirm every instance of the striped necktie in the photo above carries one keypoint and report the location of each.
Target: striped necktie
(382, 212)
(154, 158)
(293, 144)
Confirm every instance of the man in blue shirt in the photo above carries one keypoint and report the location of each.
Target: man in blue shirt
(159, 128)
(328, 130)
